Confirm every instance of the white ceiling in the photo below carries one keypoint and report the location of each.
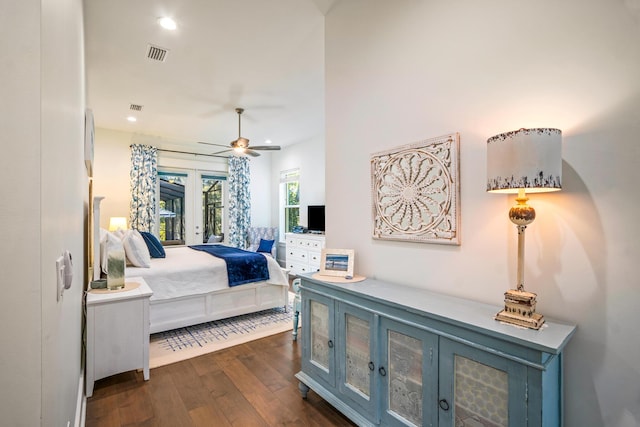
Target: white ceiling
(264, 56)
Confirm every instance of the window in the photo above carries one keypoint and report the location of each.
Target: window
(212, 207)
(289, 200)
(172, 208)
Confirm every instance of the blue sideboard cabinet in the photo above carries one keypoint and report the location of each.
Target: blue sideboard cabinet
(392, 355)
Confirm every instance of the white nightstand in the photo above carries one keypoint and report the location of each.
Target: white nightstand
(117, 332)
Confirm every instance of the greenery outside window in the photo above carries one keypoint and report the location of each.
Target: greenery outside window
(212, 207)
(172, 208)
(290, 199)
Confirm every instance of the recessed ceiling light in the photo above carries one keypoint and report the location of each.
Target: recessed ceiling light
(268, 141)
(132, 119)
(167, 23)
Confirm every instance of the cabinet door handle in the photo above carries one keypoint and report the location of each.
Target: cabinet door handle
(382, 371)
(444, 405)
(330, 343)
(371, 366)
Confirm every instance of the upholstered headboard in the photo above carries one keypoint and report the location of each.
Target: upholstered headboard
(254, 234)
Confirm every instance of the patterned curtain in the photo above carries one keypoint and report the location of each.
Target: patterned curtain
(239, 201)
(144, 180)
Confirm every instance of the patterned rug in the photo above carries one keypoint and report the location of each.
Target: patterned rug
(184, 343)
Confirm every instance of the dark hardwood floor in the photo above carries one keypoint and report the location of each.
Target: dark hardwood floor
(252, 384)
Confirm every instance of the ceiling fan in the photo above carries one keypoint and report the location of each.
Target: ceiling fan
(241, 145)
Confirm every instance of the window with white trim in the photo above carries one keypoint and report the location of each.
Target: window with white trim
(289, 201)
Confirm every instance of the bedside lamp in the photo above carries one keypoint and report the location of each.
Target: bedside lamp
(521, 161)
(117, 223)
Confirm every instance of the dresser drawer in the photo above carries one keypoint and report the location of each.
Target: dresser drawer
(303, 252)
(314, 260)
(297, 254)
(300, 268)
(311, 244)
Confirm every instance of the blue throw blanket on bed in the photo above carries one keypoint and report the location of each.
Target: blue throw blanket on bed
(242, 266)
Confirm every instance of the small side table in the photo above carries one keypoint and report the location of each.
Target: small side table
(117, 331)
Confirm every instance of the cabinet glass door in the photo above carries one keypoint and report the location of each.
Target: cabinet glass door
(357, 373)
(319, 334)
(481, 394)
(410, 383)
(480, 389)
(318, 345)
(357, 365)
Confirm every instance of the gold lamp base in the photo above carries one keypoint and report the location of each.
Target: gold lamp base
(520, 309)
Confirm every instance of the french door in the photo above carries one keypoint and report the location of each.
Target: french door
(190, 206)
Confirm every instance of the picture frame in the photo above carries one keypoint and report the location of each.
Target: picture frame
(337, 262)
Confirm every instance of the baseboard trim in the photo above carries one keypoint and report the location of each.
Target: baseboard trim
(81, 404)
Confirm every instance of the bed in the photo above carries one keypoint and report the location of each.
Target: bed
(191, 287)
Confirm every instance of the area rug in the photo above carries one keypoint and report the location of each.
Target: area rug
(184, 343)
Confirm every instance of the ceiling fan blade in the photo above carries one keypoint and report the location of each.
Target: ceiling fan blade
(211, 143)
(251, 152)
(265, 147)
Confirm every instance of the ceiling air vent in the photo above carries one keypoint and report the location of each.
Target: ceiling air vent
(135, 107)
(157, 53)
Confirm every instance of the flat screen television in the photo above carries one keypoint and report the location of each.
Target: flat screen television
(315, 218)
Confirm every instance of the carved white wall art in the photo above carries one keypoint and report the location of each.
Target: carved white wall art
(416, 191)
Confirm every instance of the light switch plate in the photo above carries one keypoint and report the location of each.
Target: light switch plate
(59, 278)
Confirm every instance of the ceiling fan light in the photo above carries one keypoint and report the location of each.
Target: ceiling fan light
(239, 150)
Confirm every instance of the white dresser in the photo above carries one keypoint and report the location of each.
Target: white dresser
(303, 252)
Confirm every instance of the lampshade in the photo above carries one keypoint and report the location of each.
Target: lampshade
(529, 159)
(117, 223)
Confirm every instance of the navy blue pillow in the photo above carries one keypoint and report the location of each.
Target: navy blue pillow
(265, 246)
(156, 250)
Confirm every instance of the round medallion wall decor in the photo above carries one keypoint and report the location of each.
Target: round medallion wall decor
(415, 192)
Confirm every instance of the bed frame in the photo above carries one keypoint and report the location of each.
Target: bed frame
(234, 301)
(199, 308)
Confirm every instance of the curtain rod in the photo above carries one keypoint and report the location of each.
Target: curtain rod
(195, 154)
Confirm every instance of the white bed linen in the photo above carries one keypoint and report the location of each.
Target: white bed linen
(186, 271)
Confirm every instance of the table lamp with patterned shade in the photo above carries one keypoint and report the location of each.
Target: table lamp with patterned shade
(523, 161)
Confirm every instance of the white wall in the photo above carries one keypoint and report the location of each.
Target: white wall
(113, 165)
(260, 189)
(113, 156)
(398, 72)
(20, 366)
(111, 177)
(111, 173)
(309, 158)
(44, 206)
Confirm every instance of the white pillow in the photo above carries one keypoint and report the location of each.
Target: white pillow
(136, 249)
